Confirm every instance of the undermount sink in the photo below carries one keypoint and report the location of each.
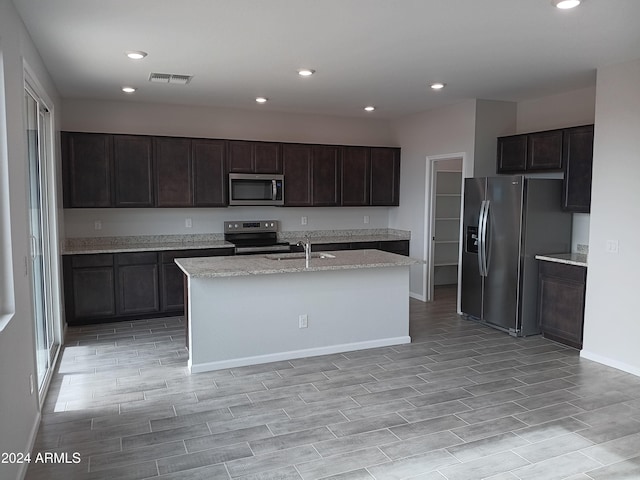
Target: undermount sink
(296, 255)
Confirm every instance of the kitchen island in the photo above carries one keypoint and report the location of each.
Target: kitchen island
(245, 310)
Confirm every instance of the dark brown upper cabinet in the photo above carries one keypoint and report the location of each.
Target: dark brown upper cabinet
(133, 166)
(355, 176)
(578, 163)
(296, 163)
(544, 150)
(512, 154)
(173, 172)
(209, 173)
(87, 170)
(325, 176)
(254, 157)
(385, 176)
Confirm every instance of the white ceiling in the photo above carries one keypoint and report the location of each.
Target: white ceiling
(380, 52)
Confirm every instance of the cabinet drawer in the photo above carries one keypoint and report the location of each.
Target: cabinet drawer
(93, 260)
(566, 272)
(137, 258)
(364, 245)
(401, 247)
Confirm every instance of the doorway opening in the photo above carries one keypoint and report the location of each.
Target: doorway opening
(443, 223)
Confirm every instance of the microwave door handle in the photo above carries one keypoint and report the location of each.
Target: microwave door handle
(274, 190)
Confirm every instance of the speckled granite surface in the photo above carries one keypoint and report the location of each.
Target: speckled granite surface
(578, 259)
(215, 267)
(74, 246)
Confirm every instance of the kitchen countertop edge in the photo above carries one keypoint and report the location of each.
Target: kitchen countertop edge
(577, 259)
(219, 267)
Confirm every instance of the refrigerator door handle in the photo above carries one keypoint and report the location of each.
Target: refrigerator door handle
(484, 270)
(481, 239)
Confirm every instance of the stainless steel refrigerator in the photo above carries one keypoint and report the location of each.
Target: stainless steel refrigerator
(507, 221)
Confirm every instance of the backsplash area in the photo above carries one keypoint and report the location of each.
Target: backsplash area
(111, 222)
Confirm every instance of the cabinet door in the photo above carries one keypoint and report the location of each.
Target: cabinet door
(544, 150)
(512, 154)
(133, 167)
(172, 162)
(296, 160)
(209, 173)
(87, 169)
(385, 176)
(137, 286)
(254, 157)
(93, 292)
(561, 290)
(240, 157)
(325, 175)
(355, 176)
(267, 158)
(401, 247)
(578, 162)
(172, 281)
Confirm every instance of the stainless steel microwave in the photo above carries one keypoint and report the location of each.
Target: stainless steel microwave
(254, 189)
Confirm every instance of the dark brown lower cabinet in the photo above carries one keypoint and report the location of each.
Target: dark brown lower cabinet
(124, 286)
(138, 282)
(90, 284)
(561, 290)
(172, 278)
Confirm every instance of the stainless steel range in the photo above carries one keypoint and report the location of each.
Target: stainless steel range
(252, 237)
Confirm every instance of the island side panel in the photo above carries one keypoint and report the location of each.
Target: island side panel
(244, 320)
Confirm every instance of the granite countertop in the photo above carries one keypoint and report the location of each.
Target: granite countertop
(215, 267)
(92, 245)
(578, 259)
(74, 246)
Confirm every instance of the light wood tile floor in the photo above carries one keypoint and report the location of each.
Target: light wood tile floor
(461, 402)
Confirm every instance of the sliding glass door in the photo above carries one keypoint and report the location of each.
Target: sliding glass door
(39, 144)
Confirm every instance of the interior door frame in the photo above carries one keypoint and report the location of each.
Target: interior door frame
(429, 224)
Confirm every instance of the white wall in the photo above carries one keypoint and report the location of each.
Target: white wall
(440, 131)
(493, 119)
(171, 221)
(611, 326)
(568, 109)
(175, 120)
(18, 408)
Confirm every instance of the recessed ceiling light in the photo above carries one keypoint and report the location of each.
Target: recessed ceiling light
(438, 86)
(566, 4)
(128, 89)
(370, 108)
(261, 99)
(306, 72)
(136, 54)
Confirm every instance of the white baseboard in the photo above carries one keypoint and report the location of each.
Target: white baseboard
(32, 440)
(609, 362)
(417, 296)
(309, 352)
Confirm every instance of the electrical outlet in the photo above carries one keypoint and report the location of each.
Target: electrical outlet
(97, 225)
(366, 219)
(188, 223)
(303, 221)
(582, 248)
(612, 246)
(303, 321)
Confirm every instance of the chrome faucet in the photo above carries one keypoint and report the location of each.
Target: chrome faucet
(306, 244)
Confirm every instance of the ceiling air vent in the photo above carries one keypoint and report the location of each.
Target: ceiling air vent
(173, 78)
